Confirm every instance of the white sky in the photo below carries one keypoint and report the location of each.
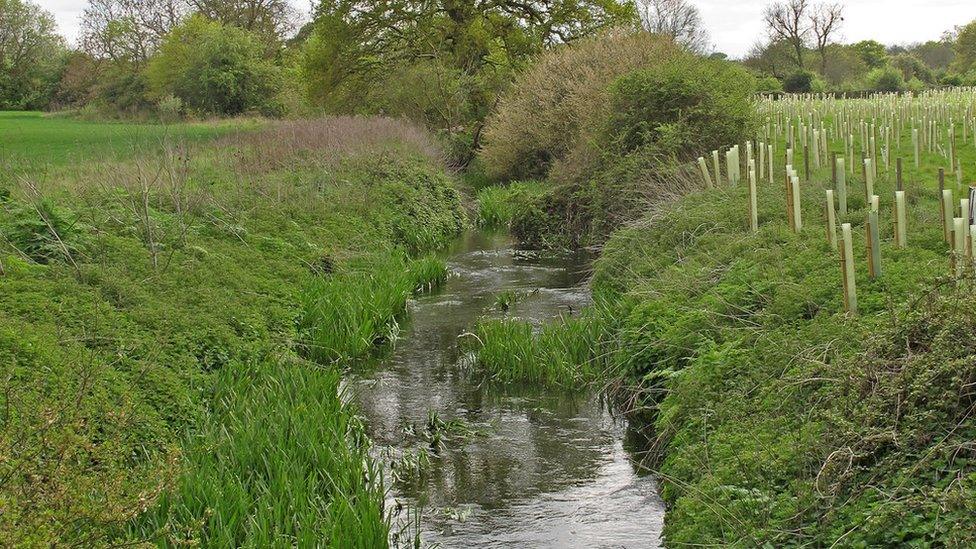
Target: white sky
(735, 25)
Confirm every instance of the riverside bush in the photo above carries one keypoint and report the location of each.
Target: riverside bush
(561, 101)
(683, 108)
(626, 147)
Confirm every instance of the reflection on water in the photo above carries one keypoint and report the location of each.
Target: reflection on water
(550, 468)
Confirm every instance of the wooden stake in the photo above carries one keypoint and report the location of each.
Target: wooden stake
(806, 163)
(715, 164)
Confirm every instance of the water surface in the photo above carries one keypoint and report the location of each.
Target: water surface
(545, 468)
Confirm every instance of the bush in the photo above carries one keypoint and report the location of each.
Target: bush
(170, 108)
(886, 79)
(681, 108)
(215, 69)
(916, 86)
(799, 82)
(769, 84)
(555, 104)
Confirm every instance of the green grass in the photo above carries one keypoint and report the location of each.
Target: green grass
(565, 352)
(163, 384)
(497, 205)
(33, 140)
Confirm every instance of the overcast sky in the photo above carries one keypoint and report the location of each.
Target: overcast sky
(735, 25)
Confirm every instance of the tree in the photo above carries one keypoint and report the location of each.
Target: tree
(873, 53)
(844, 66)
(355, 44)
(128, 31)
(886, 79)
(937, 55)
(771, 58)
(677, 19)
(30, 53)
(965, 48)
(912, 67)
(214, 68)
(788, 22)
(271, 19)
(825, 21)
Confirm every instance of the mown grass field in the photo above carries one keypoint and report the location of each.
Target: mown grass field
(168, 377)
(38, 140)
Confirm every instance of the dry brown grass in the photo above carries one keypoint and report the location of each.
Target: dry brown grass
(557, 104)
(326, 141)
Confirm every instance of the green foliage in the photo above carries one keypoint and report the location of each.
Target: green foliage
(30, 55)
(464, 57)
(682, 108)
(915, 86)
(565, 353)
(886, 79)
(560, 103)
(872, 52)
(965, 48)
(769, 84)
(497, 205)
(40, 231)
(347, 316)
(215, 69)
(799, 82)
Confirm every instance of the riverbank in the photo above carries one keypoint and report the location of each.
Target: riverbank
(777, 417)
(173, 378)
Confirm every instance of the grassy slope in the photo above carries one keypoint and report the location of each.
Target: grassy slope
(782, 419)
(778, 418)
(178, 402)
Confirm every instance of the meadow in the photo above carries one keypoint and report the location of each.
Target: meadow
(39, 140)
(171, 378)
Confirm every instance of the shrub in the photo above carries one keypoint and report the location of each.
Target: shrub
(214, 69)
(769, 84)
(554, 105)
(886, 79)
(916, 86)
(170, 108)
(681, 108)
(799, 82)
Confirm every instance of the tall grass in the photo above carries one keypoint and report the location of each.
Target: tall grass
(568, 351)
(280, 461)
(497, 205)
(346, 315)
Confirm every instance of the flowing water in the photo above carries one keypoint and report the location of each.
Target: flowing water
(542, 468)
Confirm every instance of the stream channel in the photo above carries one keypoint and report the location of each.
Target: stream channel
(542, 468)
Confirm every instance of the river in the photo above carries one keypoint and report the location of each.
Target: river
(534, 467)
